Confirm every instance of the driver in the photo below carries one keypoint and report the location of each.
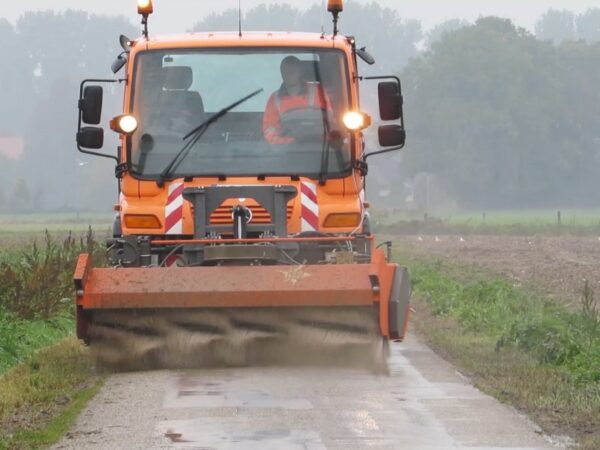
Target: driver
(295, 100)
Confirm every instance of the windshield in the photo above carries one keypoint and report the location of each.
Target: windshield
(293, 127)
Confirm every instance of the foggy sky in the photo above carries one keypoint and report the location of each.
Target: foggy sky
(179, 15)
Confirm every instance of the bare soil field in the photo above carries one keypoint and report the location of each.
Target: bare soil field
(554, 265)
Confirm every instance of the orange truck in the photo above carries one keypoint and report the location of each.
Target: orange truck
(229, 245)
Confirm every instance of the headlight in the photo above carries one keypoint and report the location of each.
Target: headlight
(356, 121)
(124, 124)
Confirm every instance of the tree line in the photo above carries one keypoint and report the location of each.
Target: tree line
(45, 55)
(503, 119)
(561, 25)
(497, 116)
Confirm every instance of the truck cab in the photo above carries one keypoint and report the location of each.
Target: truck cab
(174, 84)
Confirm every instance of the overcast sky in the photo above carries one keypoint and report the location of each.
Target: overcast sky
(179, 15)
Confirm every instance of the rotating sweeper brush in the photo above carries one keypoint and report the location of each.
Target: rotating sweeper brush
(242, 235)
(228, 337)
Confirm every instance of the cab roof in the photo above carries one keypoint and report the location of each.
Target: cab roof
(248, 38)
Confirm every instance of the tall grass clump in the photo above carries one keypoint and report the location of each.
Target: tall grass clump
(35, 280)
(36, 294)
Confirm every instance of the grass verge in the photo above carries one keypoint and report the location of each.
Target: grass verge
(19, 339)
(45, 377)
(42, 397)
(515, 345)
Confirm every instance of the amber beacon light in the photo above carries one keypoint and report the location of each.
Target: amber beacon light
(335, 6)
(145, 7)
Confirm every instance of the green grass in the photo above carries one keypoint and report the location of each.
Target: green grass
(494, 222)
(42, 397)
(523, 348)
(19, 339)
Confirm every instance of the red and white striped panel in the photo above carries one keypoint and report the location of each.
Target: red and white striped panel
(174, 209)
(310, 206)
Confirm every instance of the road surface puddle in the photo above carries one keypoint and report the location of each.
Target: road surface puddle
(207, 434)
(221, 390)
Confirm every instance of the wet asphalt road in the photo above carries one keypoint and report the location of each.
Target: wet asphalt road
(423, 404)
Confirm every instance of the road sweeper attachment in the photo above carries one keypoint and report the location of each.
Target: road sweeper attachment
(242, 234)
(239, 301)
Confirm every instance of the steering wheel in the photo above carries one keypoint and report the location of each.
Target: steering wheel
(304, 124)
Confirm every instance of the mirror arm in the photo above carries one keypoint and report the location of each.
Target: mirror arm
(81, 87)
(385, 77)
(381, 152)
(98, 80)
(102, 155)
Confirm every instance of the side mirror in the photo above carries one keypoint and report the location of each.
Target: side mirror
(392, 136)
(90, 105)
(363, 54)
(390, 100)
(90, 137)
(118, 63)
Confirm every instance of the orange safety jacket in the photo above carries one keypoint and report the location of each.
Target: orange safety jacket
(280, 102)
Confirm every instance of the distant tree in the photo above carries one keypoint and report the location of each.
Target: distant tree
(393, 41)
(557, 26)
(62, 49)
(8, 175)
(502, 119)
(16, 76)
(70, 43)
(262, 16)
(437, 32)
(20, 198)
(588, 25)
(223, 21)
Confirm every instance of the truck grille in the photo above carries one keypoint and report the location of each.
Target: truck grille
(222, 215)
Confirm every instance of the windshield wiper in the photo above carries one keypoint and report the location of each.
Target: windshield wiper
(196, 134)
(323, 173)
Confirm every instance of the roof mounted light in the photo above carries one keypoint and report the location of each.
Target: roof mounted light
(335, 7)
(145, 7)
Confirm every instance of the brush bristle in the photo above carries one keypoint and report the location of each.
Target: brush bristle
(152, 339)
